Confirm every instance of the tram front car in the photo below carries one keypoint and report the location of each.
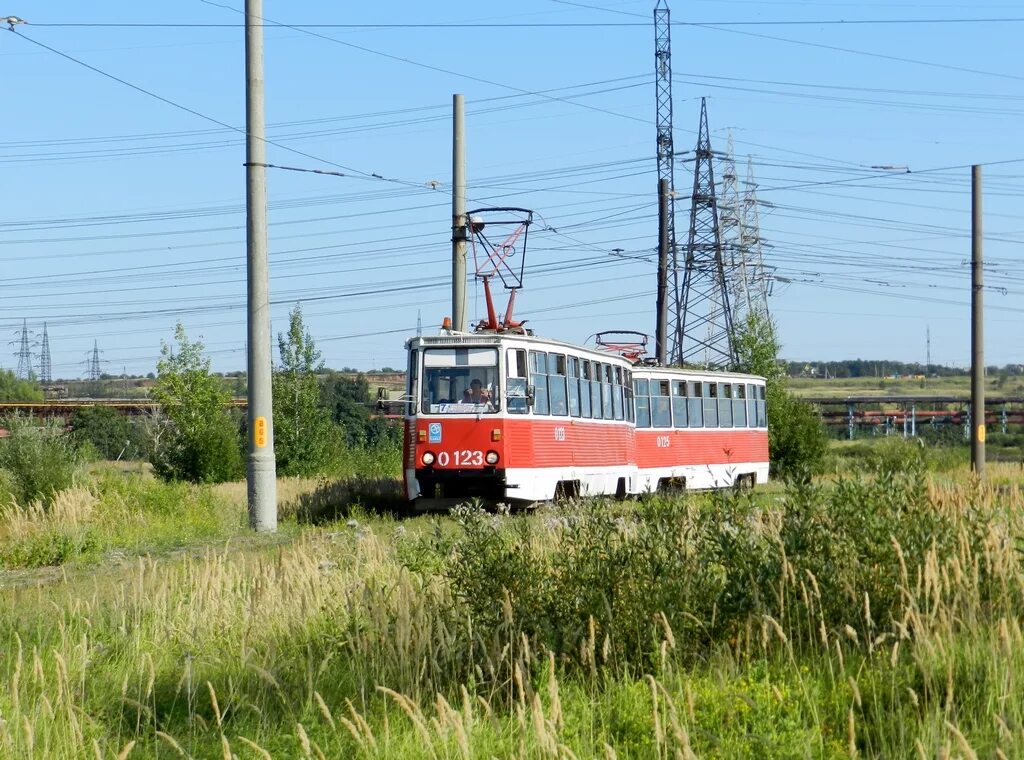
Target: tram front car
(454, 422)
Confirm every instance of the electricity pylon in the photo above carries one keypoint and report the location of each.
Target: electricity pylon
(705, 333)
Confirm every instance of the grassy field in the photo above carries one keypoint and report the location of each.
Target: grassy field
(880, 386)
(875, 613)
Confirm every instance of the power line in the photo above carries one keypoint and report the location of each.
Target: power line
(531, 25)
(358, 173)
(853, 51)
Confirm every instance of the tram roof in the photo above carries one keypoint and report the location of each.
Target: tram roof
(496, 339)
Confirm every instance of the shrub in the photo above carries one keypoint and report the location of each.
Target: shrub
(588, 576)
(38, 460)
(207, 454)
(112, 434)
(198, 440)
(14, 389)
(797, 439)
(306, 441)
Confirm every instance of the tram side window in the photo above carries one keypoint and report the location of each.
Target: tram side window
(679, 403)
(751, 405)
(627, 385)
(661, 404)
(556, 385)
(617, 395)
(710, 405)
(762, 415)
(574, 386)
(595, 390)
(641, 388)
(725, 404)
(739, 405)
(412, 380)
(695, 404)
(585, 389)
(539, 378)
(517, 381)
(606, 391)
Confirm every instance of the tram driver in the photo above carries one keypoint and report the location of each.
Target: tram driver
(476, 393)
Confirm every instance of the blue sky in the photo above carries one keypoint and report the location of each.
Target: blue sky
(123, 214)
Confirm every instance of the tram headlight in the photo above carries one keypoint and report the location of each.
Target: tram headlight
(428, 458)
(491, 457)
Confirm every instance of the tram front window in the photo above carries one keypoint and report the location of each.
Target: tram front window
(460, 381)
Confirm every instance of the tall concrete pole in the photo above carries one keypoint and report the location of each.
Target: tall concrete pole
(460, 232)
(661, 339)
(977, 330)
(261, 470)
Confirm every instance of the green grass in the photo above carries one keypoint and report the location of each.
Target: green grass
(881, 386)
(876, 613)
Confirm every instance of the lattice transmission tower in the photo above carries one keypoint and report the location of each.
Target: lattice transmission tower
(94, 370)
(731, 217)
(759, 277)
(666, 154)
(705, 334)
(24, 353)
(45, 363)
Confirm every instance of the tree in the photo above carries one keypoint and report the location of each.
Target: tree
(110, 433)
(348, 399)
(797, 439)
(305, 439)
(198, 439)
(14, 389)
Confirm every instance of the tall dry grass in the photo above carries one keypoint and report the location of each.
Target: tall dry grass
(363, 640)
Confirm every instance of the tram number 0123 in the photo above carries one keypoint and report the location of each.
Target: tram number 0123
(463, 458)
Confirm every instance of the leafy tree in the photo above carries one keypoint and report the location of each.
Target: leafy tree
(797, 439)
(305, 438)
(14, 389)
(110, 433)
(198, 440)
(348, 400)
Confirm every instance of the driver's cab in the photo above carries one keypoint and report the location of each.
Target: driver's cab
(447, 380)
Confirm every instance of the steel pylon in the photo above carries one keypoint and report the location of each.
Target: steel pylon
(705, 327)
(666, 151)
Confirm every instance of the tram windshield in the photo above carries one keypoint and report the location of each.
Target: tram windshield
(460, 381)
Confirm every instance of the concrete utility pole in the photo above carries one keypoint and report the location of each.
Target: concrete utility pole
(977, 330)
(661, 338)
(460, 231)
(261, 469)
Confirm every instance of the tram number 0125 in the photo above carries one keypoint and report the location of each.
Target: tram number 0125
(664, 442)
(463, 458)
(559, 433)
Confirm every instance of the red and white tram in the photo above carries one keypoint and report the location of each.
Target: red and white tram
(550, 419)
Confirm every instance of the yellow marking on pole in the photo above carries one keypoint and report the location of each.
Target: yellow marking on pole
(260, 432)
(981, 433)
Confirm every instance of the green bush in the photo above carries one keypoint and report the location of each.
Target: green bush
(198, 440)
(207, 454)
(112, 434)
(14, 389)
(587, 572)
(38, 460)
(797, 439)
(48, 549)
